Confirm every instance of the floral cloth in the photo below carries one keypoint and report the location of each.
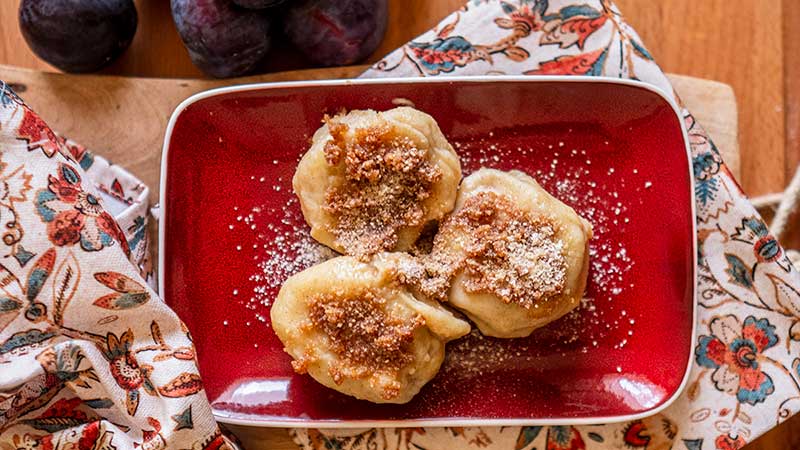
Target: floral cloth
(90, 358)
(746, 371)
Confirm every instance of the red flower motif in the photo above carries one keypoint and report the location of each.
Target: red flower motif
(66, 408)
(37, 134)
(66, 228)
(89, 436)
(152, 439)
(734, 350)
(726, 442)
(126, 370)
(571, 32)
(434, 57)
(74, 216)
(527, 18)
(586, 63)
(650, 433)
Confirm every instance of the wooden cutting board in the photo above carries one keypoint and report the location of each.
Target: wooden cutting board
(124, 119)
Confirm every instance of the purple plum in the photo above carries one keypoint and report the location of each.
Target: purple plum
(258, 4)
(336, 32)
(78, 35)
(223, 40)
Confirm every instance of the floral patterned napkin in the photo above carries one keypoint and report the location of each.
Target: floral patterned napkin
(745, 376)
(90, 358)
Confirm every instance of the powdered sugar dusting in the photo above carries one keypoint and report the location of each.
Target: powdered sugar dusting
(284, 250)
(475, 355)
(565, 174)
(283, 246)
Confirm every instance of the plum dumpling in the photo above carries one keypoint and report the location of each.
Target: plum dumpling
(353, 328)
(518, 257)
(372, 180)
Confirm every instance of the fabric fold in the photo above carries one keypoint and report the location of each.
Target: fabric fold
(90, 358)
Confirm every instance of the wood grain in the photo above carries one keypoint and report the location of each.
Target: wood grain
(791, 76)
(738, 42)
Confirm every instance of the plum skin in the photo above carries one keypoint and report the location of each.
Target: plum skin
(78, 35)
(336, 32)
(258, 4)
(222, 40)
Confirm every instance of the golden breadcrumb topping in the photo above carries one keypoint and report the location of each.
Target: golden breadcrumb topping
(511, 255)
(364, 336)
(503, 250)
(387, 177)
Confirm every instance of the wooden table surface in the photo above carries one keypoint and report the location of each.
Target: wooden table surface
(749, 44)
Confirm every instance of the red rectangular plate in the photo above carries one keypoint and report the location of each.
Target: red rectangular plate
(614, 150)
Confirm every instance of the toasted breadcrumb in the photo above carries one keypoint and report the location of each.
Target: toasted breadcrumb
(387, 177)
(364, 336)
(504, 251)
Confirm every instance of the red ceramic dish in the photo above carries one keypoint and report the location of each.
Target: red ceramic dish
(615, 150)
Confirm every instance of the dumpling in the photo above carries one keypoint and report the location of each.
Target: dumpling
(353, 328)
(517, 257)
(372, 180)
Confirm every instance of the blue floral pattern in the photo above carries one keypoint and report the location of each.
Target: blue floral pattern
(734, 351)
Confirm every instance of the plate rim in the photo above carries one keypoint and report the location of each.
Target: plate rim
(276, 422)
